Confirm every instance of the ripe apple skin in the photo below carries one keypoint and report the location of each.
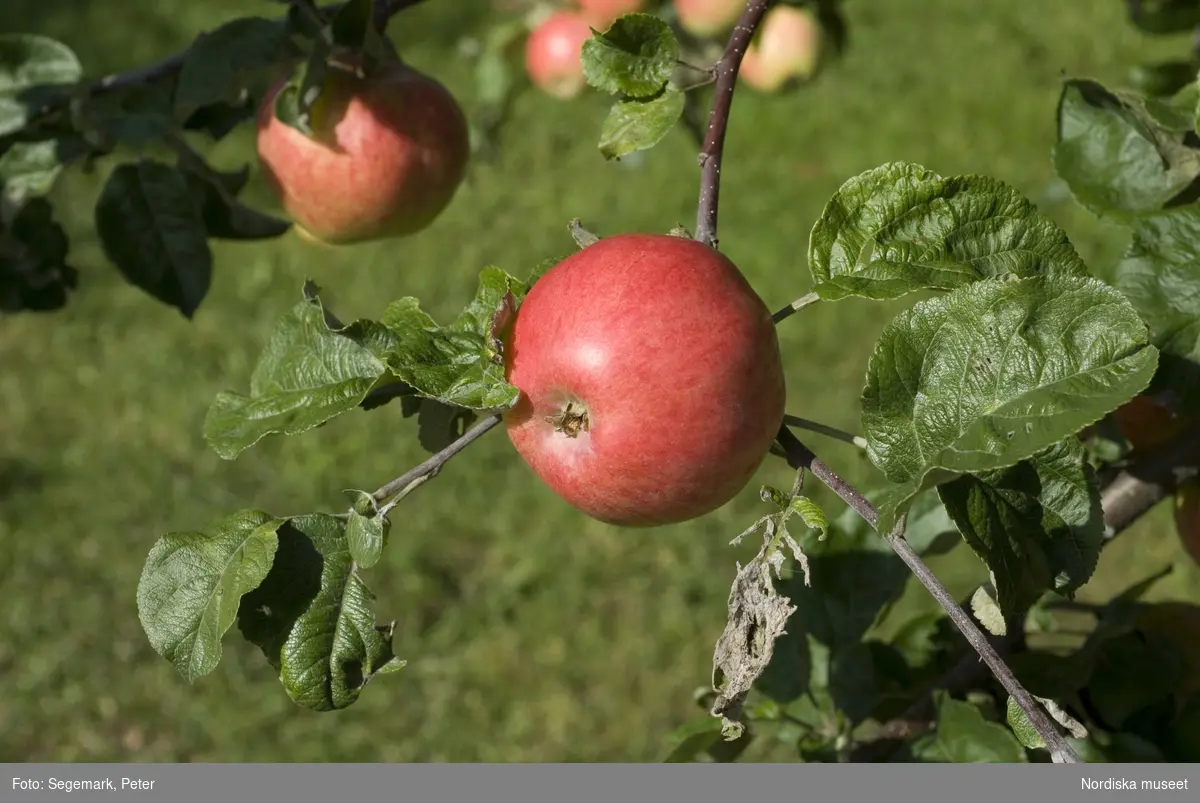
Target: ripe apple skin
(1187, 517)
(708, 18)
(602, 13)
(390, 153)
(673, 360)
(1147, 425)
(786, 50)
(552, 54)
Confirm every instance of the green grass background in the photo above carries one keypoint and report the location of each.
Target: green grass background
(533, 633)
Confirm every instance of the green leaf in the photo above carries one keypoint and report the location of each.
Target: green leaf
(219, 119)
(1165, 16)
(1160, 275)
(993, 373)
(917, 640)
(461, 364)
(929, 529)
(1163, 78)
(811, 514)
(640, 124)
(1050, 675)
(693, 738)
(311, 617)
(900, 228)
(225, 217)
(151, 230)
(29, 169)
(295, 103)
(1022, 728)
(854, 577)
(494, 73)
(1037, 525)
(34, 274)
(193, 583)
(306, 19)
(26, 61)
(1133, 671)
(1118, 161)
(221, 63)
(635, 57)
(136, 116)
(1177, 113)
(439, 425)
(963, 736)
(987, 611)
(308, 373)
(366, 532)
(353, 27)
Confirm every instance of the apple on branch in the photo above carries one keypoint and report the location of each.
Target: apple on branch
(707, 19)
(553, 54)
(1148, 425)
(388, 151)
(651, 380)
(785, 51)
(603, 13)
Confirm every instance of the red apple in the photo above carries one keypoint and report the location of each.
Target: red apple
(603, 13)
(552, 54)
(1147, 425)
(708, 18)
(1187, 517)
(650, 377)
(786, 49)
(389, 153)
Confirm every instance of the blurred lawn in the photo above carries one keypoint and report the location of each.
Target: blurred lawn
(533, 633)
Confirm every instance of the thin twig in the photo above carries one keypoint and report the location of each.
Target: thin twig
(825, 429)
(795, 306)
(919, 717)
(718, 120)
(1147, 481)
(1138, 488)
(434, 464)
(1061, 751)
(800, 456)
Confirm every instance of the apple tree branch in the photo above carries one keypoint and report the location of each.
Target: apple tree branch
(801, 457)
(1127, 497)
(149, 73)
(718, 120)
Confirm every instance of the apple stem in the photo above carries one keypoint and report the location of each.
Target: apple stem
(689, 66)
(795, 306)
(801, 457)
(726, 71)
(824, 429)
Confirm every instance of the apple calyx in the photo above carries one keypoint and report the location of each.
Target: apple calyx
(571, 420)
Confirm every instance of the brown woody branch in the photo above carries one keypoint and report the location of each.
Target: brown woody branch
(1131, 494)
(432, 465)
(718, 120)
(800, 456)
